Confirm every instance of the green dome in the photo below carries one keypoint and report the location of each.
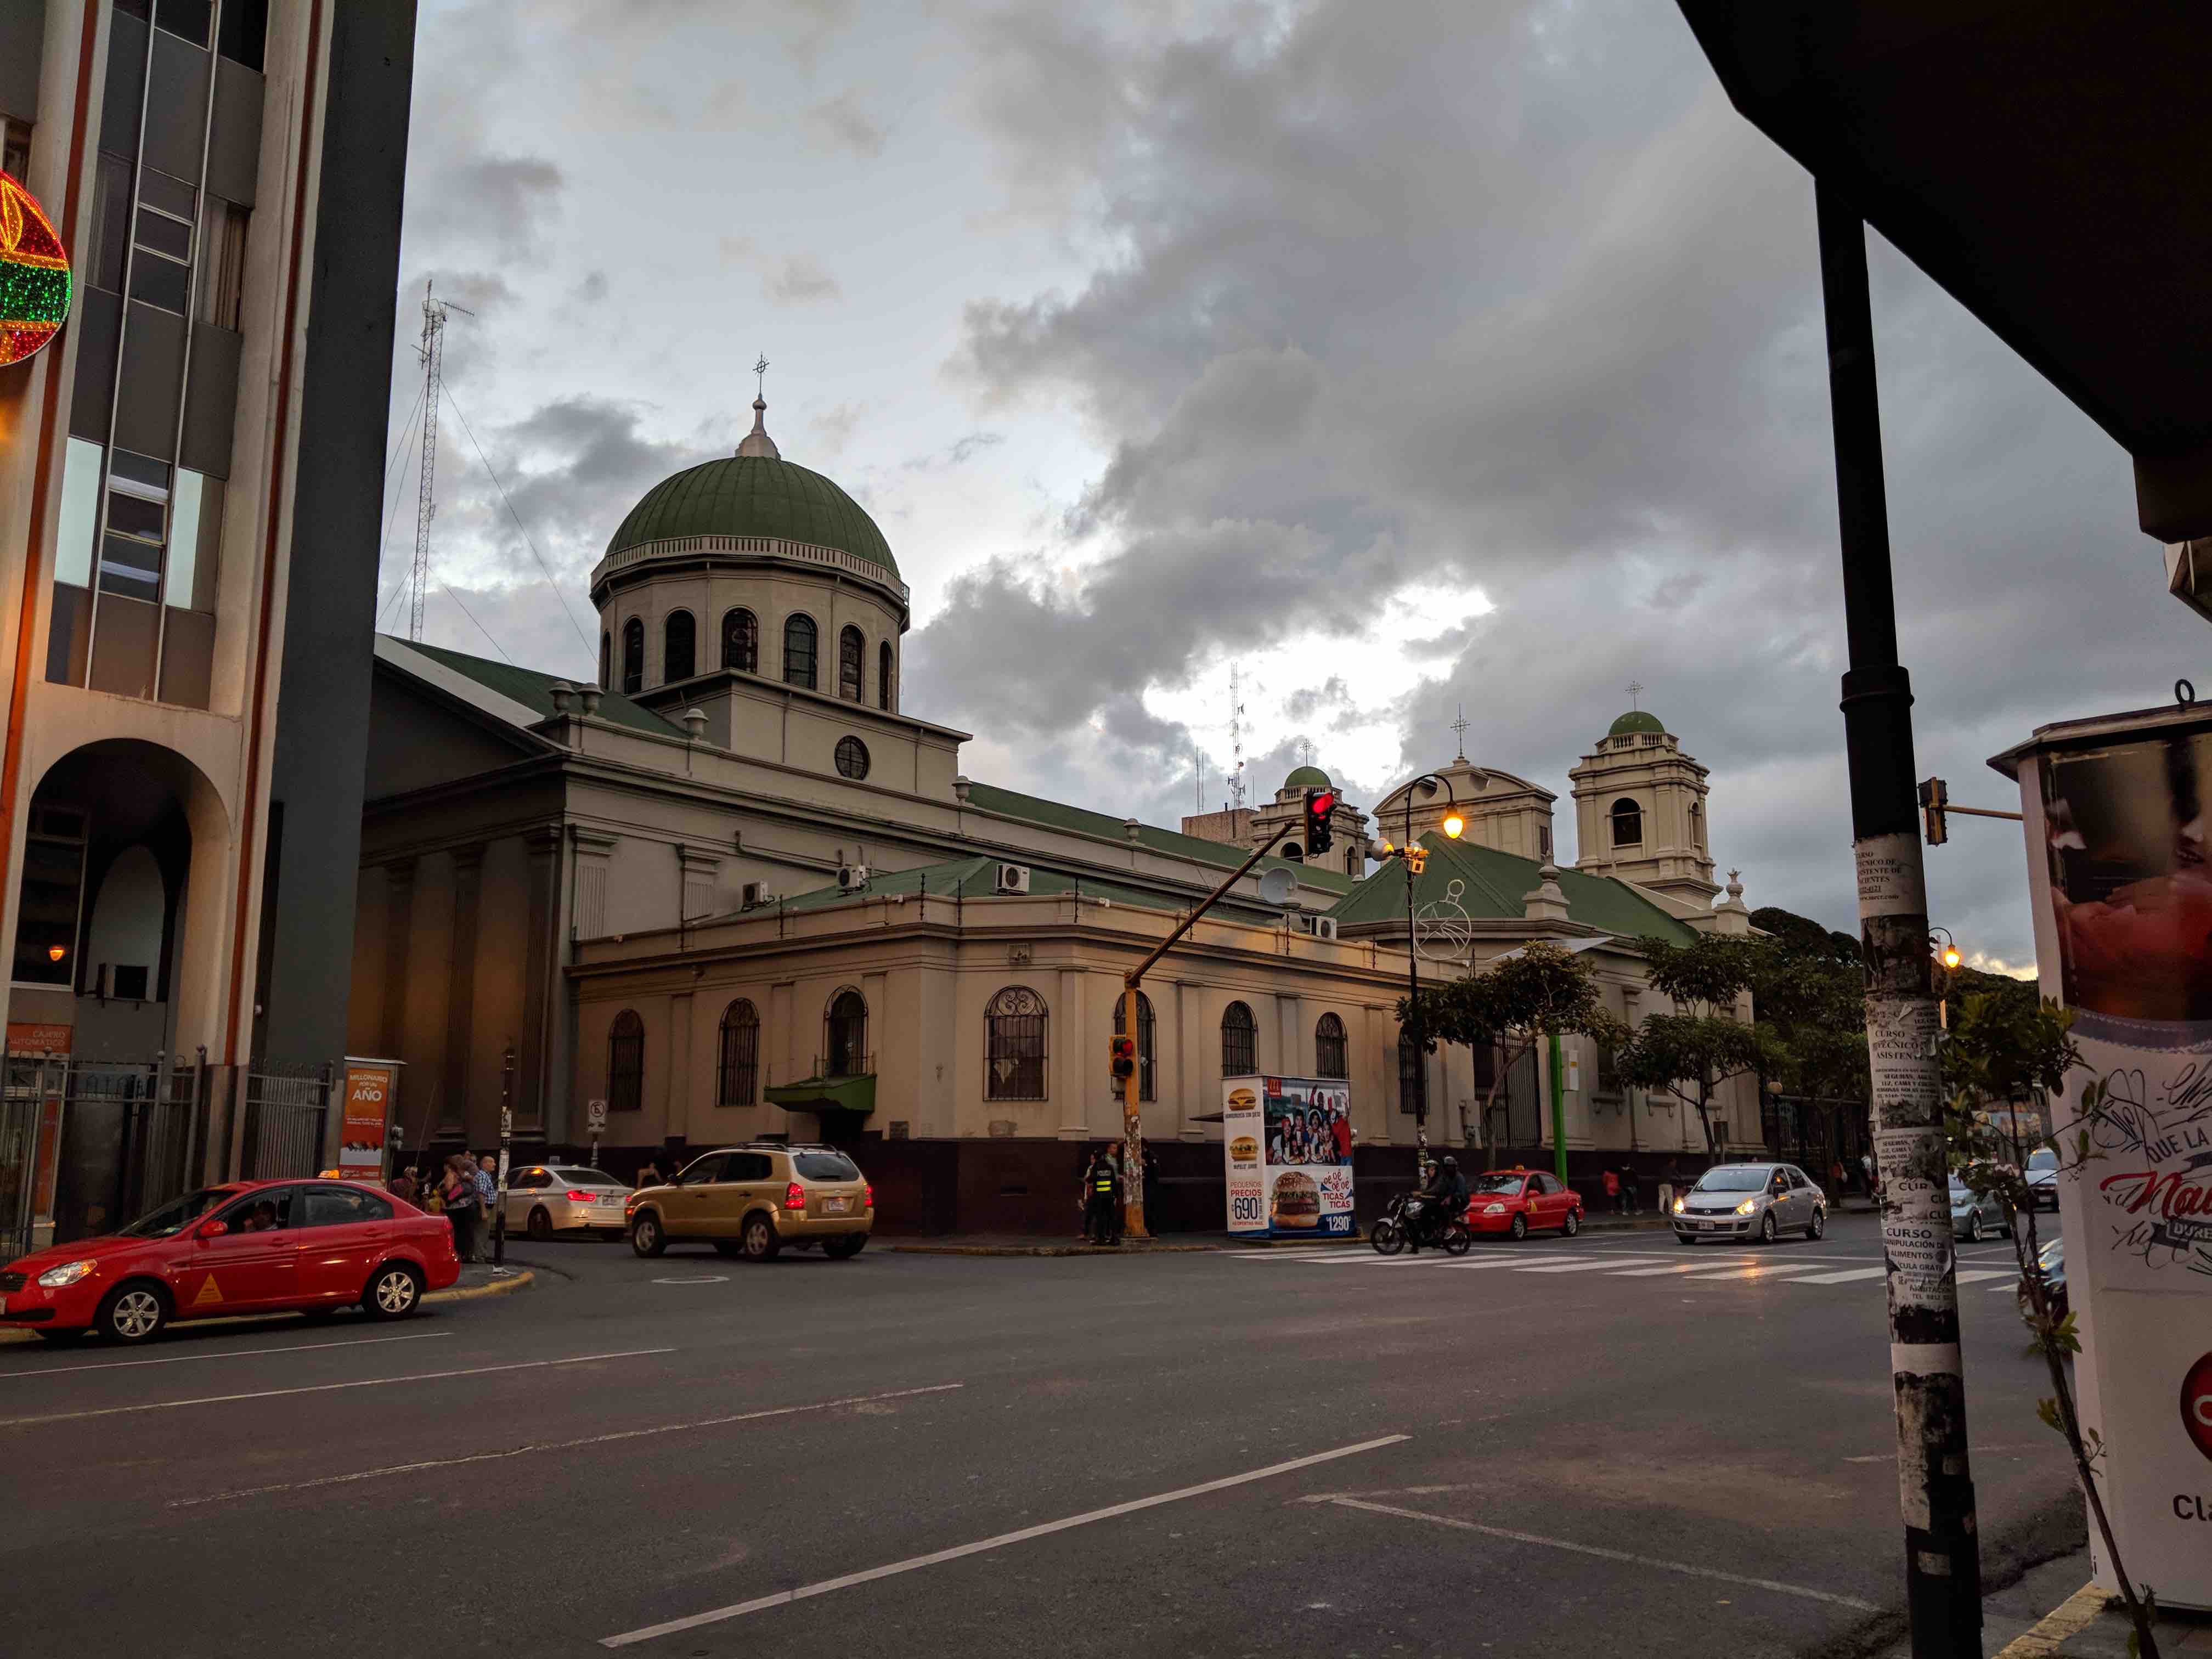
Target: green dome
(1307, 777)
(755, 495)
(1635, 720)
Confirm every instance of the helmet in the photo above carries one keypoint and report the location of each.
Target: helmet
(1451, 1164)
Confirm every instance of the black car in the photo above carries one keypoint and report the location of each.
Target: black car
(2051, 1258)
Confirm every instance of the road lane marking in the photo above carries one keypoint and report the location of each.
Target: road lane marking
(1587, 1266)
(227, 1353)
(1844, 1277)
(324, 1388)
(1671, 1267)
(1757, 1270)
(1308, 1254)
(784, 1598)
(1683, 1567)
(390, 1469)
(1980, 1275)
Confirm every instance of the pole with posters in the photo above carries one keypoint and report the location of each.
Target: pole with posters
(1935, 1488)
(506, 1136)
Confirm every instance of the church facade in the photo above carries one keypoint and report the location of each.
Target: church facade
(734, 891)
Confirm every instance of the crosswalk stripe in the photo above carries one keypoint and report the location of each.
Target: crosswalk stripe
(1306, 1255)
(1582, 1267)
(1997, 1290)
(1760, 1270)
(1844, 1277)
(1671, 1267)
(1977, 1275)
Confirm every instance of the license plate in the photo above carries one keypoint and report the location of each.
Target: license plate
(1708, 1226)
(833, 1207)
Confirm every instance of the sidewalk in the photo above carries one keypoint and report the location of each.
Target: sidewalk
(1040, 1244)
(2054, 1611)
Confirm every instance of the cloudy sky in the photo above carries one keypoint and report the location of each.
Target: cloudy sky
(1411, 357)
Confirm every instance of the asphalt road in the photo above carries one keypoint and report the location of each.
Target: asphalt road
(1610, 1443)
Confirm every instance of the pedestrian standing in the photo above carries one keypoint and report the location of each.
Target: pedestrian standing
(1613, 1190)
(401, 1187)
(1836, 1179)
(649, 1175)
(460, 1194)
(1866, 1169)
(1102, 1189)
(487, 1179)
(1631, 1191)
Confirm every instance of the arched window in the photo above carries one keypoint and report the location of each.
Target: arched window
(1698, 826)
(1014, 1045)
(1145, 1032)
(1409, 1074)
(852, 757)
(884, 675)
(741, 640)
(1240, 1041)
(1627, 823)
(679, 641)
(846, 1032)
(1329, 1058)
(852, 650)
(606, 662)
(798, 652)
(740, 1068)
(626, 1063)
(633, 657)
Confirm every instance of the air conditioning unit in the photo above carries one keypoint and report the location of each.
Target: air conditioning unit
(757, 894)
(1013, 878)
(1323, 927)
(851, 877)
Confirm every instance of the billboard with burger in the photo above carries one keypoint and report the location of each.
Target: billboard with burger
(1286, 1146)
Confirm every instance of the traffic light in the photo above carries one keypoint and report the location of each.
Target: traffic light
(1417, 857)
(1320, 803)
(1935, 796)
(1123, 1051)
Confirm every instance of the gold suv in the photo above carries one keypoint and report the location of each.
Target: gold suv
(753, 1200)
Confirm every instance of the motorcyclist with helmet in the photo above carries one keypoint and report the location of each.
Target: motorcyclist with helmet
(1444, 1200)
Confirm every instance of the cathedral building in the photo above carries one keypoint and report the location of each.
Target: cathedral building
(736, 889)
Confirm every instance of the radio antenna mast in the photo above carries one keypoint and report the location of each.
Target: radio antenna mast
(431, 354)
(1236, 736)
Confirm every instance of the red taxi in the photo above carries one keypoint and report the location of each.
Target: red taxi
(246, 1246)
(1522, 1202)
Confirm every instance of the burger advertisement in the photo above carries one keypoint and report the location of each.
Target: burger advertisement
(2118, 818)
(1286, 1146)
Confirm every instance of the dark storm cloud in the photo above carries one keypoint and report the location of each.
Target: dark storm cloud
(502, 202)
(1513, 300)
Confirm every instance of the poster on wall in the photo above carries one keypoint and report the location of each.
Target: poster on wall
(1286, 1143)
(370, 1088)
(2116, 813)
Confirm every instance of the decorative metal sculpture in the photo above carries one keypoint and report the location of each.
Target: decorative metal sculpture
(1443, 930)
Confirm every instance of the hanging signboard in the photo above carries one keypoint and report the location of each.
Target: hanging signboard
(371, 1086)
(2116, 813)
(1286, 1146)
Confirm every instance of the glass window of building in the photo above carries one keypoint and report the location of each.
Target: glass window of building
(798, 639)
(852, 758)
(1014, 1032)
(633, 657)
(740, 1060)
(1240, 1041)
(1627, 823)
(852, 649)
(679, 638)
(741, 640)
(884, 675)
(626, 1063)
(845, 1035)
(1329, 1058)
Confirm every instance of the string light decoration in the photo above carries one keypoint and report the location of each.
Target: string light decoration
(35, 274)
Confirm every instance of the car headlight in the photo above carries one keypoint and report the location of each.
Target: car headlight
(1678, 1206)
(1749, 1207)
(1494, 1209)
(67, 1274)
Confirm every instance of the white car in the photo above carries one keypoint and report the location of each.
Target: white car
(545, 1199)
(2043, 1178)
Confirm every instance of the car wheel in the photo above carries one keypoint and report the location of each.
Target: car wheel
(1519, 1227)
(395, 1290)
(759, 1240)
(1818, 1226)
(1973, 1233)
(1766, 1228)
(725, 1247)
(133, 1312)
(845, 1247)
(1572, 1225)
(1386, 1238)
(541, 1224)
(645, 1236)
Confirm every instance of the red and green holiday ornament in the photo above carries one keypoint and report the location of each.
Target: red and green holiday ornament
(35, 274)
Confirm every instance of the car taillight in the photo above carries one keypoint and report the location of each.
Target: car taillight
(581, 1196)
(871, 1186)
(794, 1197)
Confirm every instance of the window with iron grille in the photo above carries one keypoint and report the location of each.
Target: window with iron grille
(1330, 1057)
(847, 1034)
(1240, 1041)
(633, 657)
(798, 639)
(1409, 1073)
(626, 1063)
(884, 675)
(851, 649)
(1146, 1031)
(741, 640)
(740, 1068)
(1014, 1045)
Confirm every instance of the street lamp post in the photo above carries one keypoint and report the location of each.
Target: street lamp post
(1428, 783)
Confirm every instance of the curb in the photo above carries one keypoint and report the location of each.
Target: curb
(15, 1335)
(2070, 1618)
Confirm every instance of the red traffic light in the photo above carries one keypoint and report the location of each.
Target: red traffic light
(1124, 1051)
(1321, 802)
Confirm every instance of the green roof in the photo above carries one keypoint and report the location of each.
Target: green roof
(1054, 815)
(754, 496)
(1491, 885)
(1636, 719)
(978, 878)
(534, 690)
(1306, 777)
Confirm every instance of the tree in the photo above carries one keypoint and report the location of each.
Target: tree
(1690, 1055)
(1515, 1004)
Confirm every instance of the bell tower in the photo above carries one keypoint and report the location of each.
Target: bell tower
(1640, 810)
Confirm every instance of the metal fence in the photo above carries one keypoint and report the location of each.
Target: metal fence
(287, 1114)
(105, 1139)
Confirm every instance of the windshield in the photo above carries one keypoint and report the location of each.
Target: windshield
(1735, 1178)
(1960, 1191)
(824, 1166)
(175, 1216)
(1498, 1183)
(2041, 1158)
(585, 1178)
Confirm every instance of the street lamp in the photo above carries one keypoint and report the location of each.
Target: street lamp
(1427, 784)
(1950, 959)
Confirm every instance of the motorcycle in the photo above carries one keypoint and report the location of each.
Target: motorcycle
(1407, 1217)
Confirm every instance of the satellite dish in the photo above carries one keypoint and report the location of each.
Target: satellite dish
(1277, 886)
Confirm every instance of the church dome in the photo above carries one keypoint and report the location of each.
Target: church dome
(1636, 719)
(755, 492)
(1307, 777)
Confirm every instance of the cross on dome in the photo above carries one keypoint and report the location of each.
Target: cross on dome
(756, 442)
(1635, 689)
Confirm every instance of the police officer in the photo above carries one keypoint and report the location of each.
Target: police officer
(1101, 1184)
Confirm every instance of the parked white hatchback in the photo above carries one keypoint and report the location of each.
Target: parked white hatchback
(545, 1199)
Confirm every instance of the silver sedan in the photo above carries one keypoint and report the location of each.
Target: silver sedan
(545, 1199)
(1973, 1214)
(1751, 1201)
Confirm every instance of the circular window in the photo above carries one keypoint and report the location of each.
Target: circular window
(852, 757)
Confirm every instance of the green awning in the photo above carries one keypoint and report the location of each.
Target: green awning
(827, 1093)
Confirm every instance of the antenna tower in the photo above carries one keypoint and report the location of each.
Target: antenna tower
(431, 354)
(1236, 736)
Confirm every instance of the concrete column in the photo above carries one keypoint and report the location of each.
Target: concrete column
(398, 929)
(1292, 1043)
(677, 1113)
(1079, 1102)
(1183, 1026)
(542, 991)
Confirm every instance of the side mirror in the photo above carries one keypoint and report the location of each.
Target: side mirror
(211, 1230)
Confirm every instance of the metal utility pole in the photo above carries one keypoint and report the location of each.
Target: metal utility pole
(1427, 784)
(506, 1136)
(431, 354)
(1942, 1560)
